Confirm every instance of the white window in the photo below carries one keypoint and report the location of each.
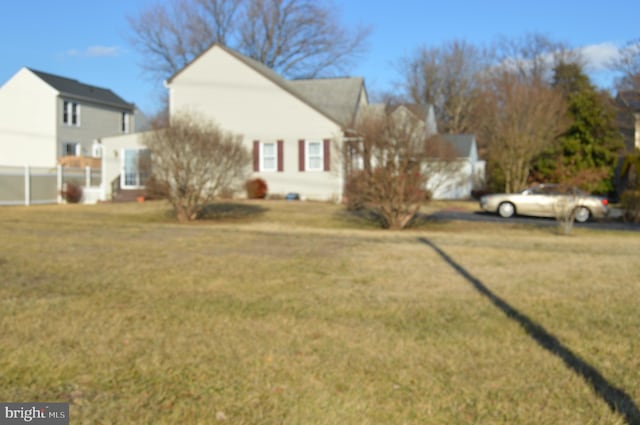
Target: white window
(315, 156)
(71, 149)
(71, 113)
(135, 168)
(355, 155)
(124, 125)
(268, 157)
(96, 150)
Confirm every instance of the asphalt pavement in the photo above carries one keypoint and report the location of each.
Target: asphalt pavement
(614, 223)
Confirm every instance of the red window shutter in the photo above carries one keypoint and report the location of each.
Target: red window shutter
(301, 156)
(327, 154)
(280, 156)
(256, 155)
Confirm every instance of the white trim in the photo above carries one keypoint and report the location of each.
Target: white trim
(96, 149)
(68, 108)
(27, 185)
(78, 120)
(263, 157)
(123, 179)
(59, 182)
(125, 122)
(307, 155)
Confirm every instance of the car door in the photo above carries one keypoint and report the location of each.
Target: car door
(527, 202)
(546, 200)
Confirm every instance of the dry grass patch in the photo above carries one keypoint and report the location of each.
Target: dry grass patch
(292, 316)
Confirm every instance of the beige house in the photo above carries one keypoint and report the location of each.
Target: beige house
(295, 129)
(44, 117)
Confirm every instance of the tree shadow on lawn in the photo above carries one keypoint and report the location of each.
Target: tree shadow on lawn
(230, 210)
(370, 217)
(616, 398)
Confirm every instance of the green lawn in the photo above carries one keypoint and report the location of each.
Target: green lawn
(299, 313)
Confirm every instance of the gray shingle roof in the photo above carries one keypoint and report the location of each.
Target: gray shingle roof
(336, 98)
(80, 91)
(630, 100)
(462, 143)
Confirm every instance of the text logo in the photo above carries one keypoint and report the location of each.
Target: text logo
(34, 413)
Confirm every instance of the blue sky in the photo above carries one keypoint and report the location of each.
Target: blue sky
(88, 40)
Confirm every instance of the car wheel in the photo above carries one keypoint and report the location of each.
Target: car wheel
(582, 214)
(506, 210)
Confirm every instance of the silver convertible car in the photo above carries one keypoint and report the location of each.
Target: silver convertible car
(546, 200)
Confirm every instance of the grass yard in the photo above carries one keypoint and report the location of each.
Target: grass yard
(298, 313)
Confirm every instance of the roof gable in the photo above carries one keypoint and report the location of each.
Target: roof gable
(335, 98)
(464, 144)
(629, 99)
(338, 97)
(77, 90)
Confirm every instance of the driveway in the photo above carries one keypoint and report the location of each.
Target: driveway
(480, 216)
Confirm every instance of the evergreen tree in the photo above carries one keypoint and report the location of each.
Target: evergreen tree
(586, 154)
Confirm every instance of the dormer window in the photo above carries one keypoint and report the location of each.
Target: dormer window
(71, 113)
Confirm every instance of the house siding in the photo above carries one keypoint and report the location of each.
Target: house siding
(27, 121)
(112, 157)
(95, 121)
(32, 130)
(241, 100)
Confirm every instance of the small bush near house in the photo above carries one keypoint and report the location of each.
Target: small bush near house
(631, 205)
(194, 162)
(72, 193)
(256, 189)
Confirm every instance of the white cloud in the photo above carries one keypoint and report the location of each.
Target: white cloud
(95, 51)
(599, 56)
(102, 51)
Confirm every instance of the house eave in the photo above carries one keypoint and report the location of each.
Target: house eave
(130, 107)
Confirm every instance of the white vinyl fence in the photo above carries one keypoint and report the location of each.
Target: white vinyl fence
(39, 185)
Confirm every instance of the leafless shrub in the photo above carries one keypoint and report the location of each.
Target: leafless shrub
(193, 161)
(388, 165)
(564, 209)
(630, 201)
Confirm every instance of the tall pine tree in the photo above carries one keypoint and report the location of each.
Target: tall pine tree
(586, 154)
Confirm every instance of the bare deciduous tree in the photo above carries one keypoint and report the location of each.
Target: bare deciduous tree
(389, 162)
(298, 38)
(533, 56)
(445, 77)
(628, 65)
(170, 35)
(518, 118)
(193, 161)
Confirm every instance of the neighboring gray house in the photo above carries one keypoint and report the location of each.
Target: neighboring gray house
(469, 172)
(454, 169)
(628, 104)
(44, 117)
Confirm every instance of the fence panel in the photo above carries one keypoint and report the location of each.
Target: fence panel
(44, 186)
(12, 186)
(35, 185)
